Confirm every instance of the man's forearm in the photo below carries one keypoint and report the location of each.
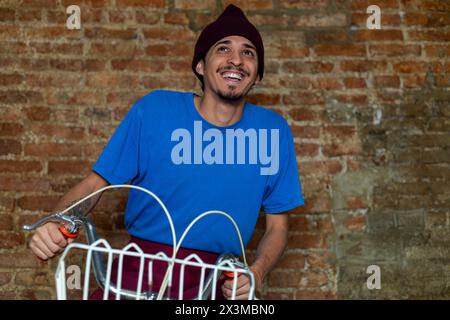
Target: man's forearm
(75, 194)
(269, 251)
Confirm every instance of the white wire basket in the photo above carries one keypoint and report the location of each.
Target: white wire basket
(100, 257)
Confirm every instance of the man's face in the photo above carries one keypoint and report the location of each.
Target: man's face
(230, 68)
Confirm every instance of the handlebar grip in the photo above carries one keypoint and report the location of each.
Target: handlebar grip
(67, 234)
(230, 274)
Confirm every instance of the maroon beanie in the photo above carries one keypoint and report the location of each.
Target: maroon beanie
(232, 22)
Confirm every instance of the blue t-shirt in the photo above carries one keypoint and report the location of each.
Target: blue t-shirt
(164, 145)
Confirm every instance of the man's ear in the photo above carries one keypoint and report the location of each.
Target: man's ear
(200, 67)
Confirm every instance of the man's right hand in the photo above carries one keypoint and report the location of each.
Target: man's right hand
(48, 241)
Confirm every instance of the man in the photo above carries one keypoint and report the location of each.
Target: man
(201, 153)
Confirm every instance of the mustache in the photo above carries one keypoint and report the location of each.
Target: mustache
(231, 68)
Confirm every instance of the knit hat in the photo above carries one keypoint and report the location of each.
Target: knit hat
(232, 22)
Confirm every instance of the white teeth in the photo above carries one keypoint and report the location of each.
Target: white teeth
(232, 75)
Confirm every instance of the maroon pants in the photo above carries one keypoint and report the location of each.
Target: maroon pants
(130, 272)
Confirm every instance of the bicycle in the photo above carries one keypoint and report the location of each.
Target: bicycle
(70, 224)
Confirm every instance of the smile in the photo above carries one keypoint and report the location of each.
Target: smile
(233, 77)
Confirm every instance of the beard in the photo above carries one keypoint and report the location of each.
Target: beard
(231, 95)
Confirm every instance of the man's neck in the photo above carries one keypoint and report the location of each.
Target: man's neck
(218, 112)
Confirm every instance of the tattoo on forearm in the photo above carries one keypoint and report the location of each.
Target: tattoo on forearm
(81, 209)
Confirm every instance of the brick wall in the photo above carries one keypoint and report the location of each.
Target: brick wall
(369, 110)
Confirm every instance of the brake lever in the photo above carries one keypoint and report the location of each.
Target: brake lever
(70, 224)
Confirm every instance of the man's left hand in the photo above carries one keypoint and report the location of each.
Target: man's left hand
(243, 285)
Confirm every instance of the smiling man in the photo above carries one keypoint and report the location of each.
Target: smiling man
(198, 153)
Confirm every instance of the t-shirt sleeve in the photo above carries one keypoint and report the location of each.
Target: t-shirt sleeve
(119, 160)
(283, 190)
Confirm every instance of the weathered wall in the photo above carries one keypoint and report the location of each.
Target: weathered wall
(369, 110)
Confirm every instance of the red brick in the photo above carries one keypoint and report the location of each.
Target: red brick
(306, 67)
(307, 149)
(20, 260)
(13, 47)
(320, 20)
(291, 52)
(320, 260)
(414, 81)
(327, 83)
(340, 50)
(116, 33)
(178, 18)
(11, 240)
(426, 5)
(29, 15)
(302, 98)
(305, 132)
(141, 3)
(7, 204)
(264, 99)
(120, 16)
(340, 131)
(363, 66)
(157, 34)
(429, 35)
(307, 240)
(20, 166)
(149, 17)
(37, 113)
(10, 79)
(390, 50)
(52, 149)
(284, 280)
(6, 222)
(5, 278)
(7, 14)
(355, 99)
(269, 20)
(173, 49)
(8, 32)
(354, 83)
(437, 50)
(138, 65)
(415, 19)
(39, 203)
(115, 50)
(82, 98)
(51, 33)
(249, 4)
(377, 35)
(363, 4)
(70, 133)
(356, 203)
(330, 36)
(23, 184)
(196, 4)
(9, 146)
(304, 4)
(8, 129)
(410, 67)
(20, 97)
(334, 150)
(69, 167)
(443, 81)
(387, 82)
